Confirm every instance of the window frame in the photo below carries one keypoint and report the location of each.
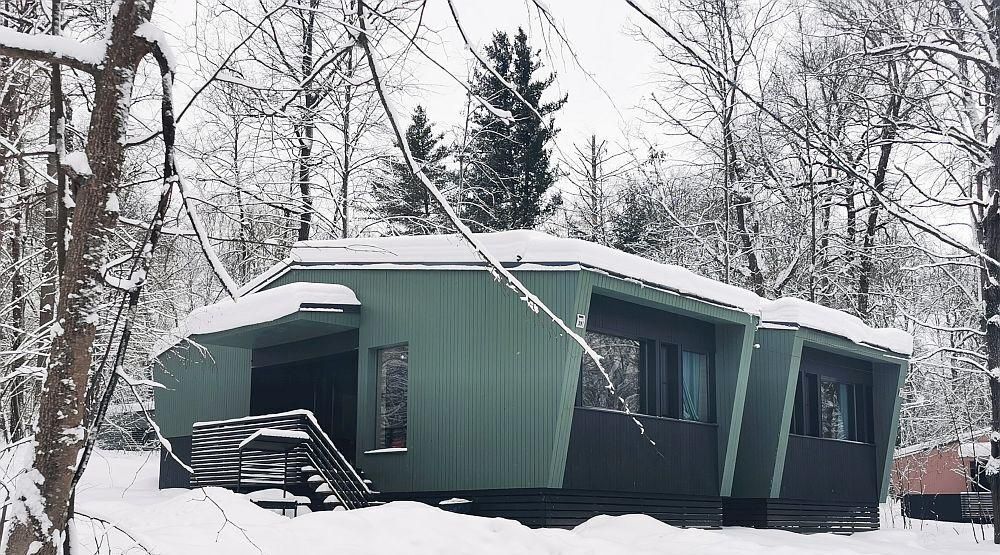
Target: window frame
(807, 412)
(641, 389)
(379, 437)
(660, 379)
(710, 375)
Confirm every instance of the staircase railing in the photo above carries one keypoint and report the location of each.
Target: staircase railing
(216, 460)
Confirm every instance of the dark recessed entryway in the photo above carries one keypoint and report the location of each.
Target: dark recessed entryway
(326, 385)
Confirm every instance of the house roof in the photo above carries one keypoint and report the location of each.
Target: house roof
(941, 442)
(258, 308)
(533, 250)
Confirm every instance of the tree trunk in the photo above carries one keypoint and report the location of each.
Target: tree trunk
(45, 492)
(887, 137)
(991, 301)
(989, 234)
(19, 420)
(345, 175)
(307, 126)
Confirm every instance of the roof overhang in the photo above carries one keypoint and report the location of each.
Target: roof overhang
(307, 323)
(283, 314)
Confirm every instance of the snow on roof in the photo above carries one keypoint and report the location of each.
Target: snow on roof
(533, 250)
(940, 442)
(257, 308)
(813, 316)
(975, 450)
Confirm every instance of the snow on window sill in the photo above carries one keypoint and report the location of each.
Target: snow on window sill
(386, 450)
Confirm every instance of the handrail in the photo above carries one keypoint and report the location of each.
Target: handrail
(215, 442)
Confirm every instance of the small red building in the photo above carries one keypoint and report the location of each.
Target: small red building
(944, 479)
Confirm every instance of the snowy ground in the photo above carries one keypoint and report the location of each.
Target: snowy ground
(121, 488)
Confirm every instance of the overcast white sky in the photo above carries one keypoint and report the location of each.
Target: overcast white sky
(596, 29)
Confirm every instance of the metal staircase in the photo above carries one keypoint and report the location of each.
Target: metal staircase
(287, 451)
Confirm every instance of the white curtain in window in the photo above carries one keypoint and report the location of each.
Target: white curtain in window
(694, 386)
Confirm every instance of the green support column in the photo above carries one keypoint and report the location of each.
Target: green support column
(734, 347)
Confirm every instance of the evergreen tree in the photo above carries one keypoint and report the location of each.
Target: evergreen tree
(633, 229)
(511, 170)
(402, 198)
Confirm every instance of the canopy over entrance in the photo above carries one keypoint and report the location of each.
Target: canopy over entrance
(284, 314)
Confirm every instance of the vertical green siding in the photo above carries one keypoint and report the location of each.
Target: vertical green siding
(886, 385)
(767, 412)
(199, 384)
(486, 374)
(569, 380)
(771, 394)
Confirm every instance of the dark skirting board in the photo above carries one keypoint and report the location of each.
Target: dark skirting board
(798, 515)
(560, 508)
(173, 475)
(949, 507)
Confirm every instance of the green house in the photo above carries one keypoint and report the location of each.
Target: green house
(429, 379)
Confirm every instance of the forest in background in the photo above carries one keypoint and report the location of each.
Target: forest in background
(840, 151)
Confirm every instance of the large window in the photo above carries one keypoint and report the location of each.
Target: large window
(833, 403)
(623, 361)
(652, 378)
(392, 391)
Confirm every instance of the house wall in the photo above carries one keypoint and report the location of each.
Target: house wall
(933, 471)
(771, 390)
(493, 385)
(828, 469)
(608, 450)
(200, 383)
(774, 464)
(483, 374)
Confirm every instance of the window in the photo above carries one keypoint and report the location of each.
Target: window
(980, 480)
(805, 420)
(655, 379)
(622, 359)
(832, 407)
(695, 387)
(836, 402)
(392, 385)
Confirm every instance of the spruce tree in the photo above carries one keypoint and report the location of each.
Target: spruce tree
(402, 198)
(512, 168)
(633, 227)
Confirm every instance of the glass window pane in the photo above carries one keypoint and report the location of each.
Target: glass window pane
(798, 409)
(695, 387)
(393, 380)
(836, 411)
(620, 358)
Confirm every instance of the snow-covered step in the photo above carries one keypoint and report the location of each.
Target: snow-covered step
(324, 488)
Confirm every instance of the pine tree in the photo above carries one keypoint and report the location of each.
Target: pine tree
(633, 227)
(512, 170)
(402, 199)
